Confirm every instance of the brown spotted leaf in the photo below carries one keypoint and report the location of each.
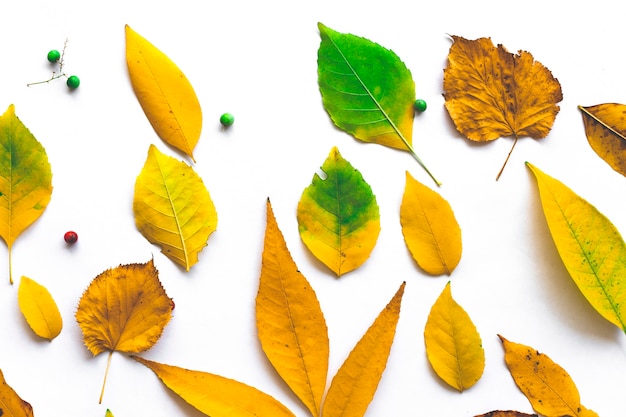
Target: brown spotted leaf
(605, 127)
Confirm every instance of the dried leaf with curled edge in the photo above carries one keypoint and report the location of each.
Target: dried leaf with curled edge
(164, 93)
(490, 92)
(173, 208)
(548, 387)
(506, 413)
(605, 127)
(11, 405)
(39, 309)
(430, 229)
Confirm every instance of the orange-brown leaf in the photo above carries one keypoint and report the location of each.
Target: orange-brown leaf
(11, 405)
(507, 413)
(605, 127)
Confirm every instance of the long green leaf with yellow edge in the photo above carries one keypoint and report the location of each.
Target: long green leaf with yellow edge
(367, 90)
(356, 382)
(25, 179)
(215, 395)
(338, 217)
(453, 345)
(290, 323)
(591, 247)
(164, 93)
(173, 208)
(39, 309)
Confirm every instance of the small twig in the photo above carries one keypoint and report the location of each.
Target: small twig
(55, 76)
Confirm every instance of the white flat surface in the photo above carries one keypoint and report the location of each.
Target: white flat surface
(258, 61)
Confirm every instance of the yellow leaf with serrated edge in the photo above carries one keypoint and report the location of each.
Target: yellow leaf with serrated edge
(11, 405)
(453, 345)
(215, 395)
(430, 229)
(290, 323)
(548, 387)
(173, 208)
(590, 246)
(164, 93)
(354, 385)
(39, 309)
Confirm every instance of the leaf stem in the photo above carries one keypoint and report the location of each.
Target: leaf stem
(10, 267)
(507, 158)
(106, 373)
(419, 161)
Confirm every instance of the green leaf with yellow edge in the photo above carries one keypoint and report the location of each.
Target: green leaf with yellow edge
(355, 384)
(11, 405)
(214, 395)
(338, 217)
(173, 208)
(453, 345)
(39, 309)
(290, 323)
(605, 127)
(590, 246)
(25, 179)
(164, 93)
(367, 90)
(549, 388)
(430, 229)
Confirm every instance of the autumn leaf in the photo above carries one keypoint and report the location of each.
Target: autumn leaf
(354, 385)
(173, 208)
(507, 413)
(367, 90)
(25, 179)
(430, 229)
(290, 323)
(215, 395)
(39, 309)
(548, 387)
(490, 92)
(11, 404)
(108, 413)
(453, 345)
(605, 127)
(338, 217)
(590, 246)
(124, 309)
(164, 93)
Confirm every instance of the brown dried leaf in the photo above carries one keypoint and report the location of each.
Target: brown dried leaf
(605, 127)
(507, 413)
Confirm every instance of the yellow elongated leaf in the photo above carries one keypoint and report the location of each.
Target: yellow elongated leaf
(215, 395)
(290, 322)
(453, 345)
(39, 309)
(430, 229)
(173, 208)
(590, 246)
(354, 385)
(25, 179)
(164, 93)
(548, 387)
(605, 127)
(11, 404)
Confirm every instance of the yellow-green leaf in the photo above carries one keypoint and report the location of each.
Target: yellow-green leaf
(453, 345)
(164, 93)
(25, 179)
(215, 395)
(173, 208)
(39, 309)
(108, 413)
(430, 229)
(338, 217)
(290, 323)
(590, 246)
(605, 127)
(548, 387)
(355, 384)
(11, 405)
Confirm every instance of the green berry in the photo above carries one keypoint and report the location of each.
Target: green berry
(54, 55)
(73, 82)
(420, 105)
(227, 119)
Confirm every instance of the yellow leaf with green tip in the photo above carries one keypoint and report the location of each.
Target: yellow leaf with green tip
(39, 309)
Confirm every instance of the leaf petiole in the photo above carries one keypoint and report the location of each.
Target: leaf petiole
(106, 373)
(507, 158)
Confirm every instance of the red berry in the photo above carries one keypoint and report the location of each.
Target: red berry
(70, 237)
(172, 304)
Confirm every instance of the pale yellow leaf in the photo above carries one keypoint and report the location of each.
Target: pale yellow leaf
(39, 309)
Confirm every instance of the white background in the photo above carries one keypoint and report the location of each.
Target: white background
(258, 61)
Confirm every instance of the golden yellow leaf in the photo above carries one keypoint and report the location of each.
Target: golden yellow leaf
(490, 92)
(354, 385)
(605, 127)
(453, 345)
(39, 309)
(164, 93)
(548, 387)
(173, 208)
(215, 395)
(430, 229)
(290, 322)
(11, 405)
